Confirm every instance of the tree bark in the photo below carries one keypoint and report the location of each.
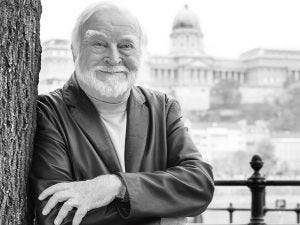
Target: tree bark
(20, 53)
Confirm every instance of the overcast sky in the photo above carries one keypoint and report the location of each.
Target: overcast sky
(230, 27)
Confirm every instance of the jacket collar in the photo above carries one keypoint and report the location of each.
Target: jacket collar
(86, 116)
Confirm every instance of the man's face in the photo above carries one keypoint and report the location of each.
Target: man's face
(109, 54)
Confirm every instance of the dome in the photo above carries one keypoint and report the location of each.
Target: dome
(186, 18)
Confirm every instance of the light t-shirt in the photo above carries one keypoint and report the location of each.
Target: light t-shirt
(114, 117)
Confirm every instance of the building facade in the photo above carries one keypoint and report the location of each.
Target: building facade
(56, 64)
(188, 72)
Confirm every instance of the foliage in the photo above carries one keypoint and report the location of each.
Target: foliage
(265, 149)
(258, 111)
(236, 164)
(281, 115)
(288, 110)
(225, 94)
(283, 169)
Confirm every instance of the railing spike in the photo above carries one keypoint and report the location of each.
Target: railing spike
(256, 163)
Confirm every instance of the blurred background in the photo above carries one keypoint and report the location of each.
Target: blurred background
(235, 68)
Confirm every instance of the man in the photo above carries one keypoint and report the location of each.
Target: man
(107, 152)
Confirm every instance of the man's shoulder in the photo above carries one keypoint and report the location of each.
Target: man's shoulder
(55, 94)
(161, 103)
(50, 101)
(152, 96)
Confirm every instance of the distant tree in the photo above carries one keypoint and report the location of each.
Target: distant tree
(225, 94)
(265, 149)
(288, 109)
(237, 163)
(288, 81)
(242, 162)
(233, 164)
(283, 169)
(259, 111)
(20, 53)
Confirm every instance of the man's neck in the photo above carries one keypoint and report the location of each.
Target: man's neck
(107, 108)
(110, 100)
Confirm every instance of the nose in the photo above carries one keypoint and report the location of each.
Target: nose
(113, 57)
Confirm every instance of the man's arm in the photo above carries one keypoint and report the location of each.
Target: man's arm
(185, 188)
(51, 167)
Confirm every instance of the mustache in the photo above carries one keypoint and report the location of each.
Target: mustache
(112, 69)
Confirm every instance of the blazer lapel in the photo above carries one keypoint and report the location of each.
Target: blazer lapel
(86, 116)
(136, 131)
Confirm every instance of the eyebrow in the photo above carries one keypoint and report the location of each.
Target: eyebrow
(93, 33)
(129, 38)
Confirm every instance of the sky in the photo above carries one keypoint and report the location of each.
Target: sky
(230, 27)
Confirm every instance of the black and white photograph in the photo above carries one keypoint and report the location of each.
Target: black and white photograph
(127, 112)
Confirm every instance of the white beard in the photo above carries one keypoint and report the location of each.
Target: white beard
(114, 85)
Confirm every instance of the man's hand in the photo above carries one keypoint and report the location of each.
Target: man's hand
(84, 195)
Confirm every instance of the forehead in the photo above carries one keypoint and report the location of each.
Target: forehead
(112, 22)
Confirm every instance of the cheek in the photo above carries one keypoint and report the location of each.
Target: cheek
(82, 60)
(132, 63)
(87, 59)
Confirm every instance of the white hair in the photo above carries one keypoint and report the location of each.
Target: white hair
(88, 12)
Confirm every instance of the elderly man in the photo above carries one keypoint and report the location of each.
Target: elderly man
(106, 151)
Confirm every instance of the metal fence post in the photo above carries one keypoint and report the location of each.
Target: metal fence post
(230, 210)
(298, 212)
(257, 186)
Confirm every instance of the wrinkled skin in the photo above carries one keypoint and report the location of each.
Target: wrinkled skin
(84, 195)
(109, 55)
(106, 66)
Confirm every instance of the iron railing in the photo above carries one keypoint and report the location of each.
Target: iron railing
(257, 185)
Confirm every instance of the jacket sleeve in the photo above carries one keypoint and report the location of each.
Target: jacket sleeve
(185, 188)
(51, 164)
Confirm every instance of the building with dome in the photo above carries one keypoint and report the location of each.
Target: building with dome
(188, 72)
(186, 36)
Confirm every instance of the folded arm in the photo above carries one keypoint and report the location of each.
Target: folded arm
(58, 197)
(185, 188)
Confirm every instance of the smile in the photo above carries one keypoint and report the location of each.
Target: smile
(112, 71)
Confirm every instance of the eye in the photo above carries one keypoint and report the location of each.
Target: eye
(100, 44)
(126, 46)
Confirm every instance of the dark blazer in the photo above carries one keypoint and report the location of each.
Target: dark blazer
(165, 175)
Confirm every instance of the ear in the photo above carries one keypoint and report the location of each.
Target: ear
(74, 53)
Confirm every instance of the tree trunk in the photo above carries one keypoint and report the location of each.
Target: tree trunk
(20, 53)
